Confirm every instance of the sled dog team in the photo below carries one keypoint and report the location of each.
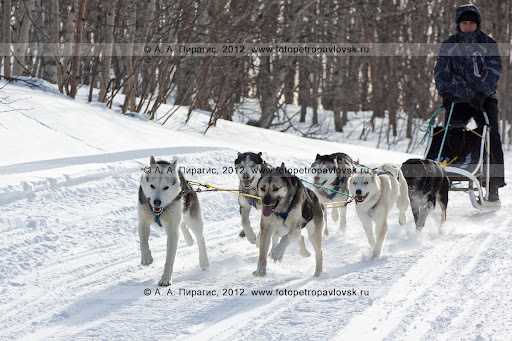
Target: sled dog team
(288, 206)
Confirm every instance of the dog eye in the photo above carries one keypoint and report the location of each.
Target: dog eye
(263, 188)
(275, 189)
(153, 187)
(165, 188)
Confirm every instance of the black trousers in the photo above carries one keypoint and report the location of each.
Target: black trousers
(463, 112)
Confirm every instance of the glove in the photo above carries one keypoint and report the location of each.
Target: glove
(447, 101)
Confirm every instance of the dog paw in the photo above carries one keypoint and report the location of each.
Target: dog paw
(164, 281)
(252, 239)
(305, 253)
(188, 237)
(189, 241)
(277, 254)
(376, 254)
(204, 265)
(146, 258)
(259, 273)
(317, 273)
(241, 234)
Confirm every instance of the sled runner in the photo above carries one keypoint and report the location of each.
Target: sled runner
(464, 155)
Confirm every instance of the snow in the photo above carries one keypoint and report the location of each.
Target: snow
(70, 263)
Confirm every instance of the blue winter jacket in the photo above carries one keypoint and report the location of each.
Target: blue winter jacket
(468, 64)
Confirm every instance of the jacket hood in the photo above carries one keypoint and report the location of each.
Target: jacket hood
(467, 8)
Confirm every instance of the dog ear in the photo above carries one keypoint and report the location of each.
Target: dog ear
(260, 159)
(317, 157)
(238, 154)
(152, 160)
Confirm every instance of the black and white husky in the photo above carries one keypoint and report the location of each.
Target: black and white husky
(165, 198)
(376, 192)
(331, 173)
(428, 188)
(249, 168)
(287, 208)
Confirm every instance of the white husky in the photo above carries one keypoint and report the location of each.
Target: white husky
(375, 193)
(164, 195)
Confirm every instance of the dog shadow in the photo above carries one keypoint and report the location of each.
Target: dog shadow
(94, 306)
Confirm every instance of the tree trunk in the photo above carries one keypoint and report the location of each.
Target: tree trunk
(6, 34)
(129, 85)
(20, 67)
(52, 62)
(106, 59)
(74, 79)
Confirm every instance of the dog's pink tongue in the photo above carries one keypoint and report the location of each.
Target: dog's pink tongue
(267, 210)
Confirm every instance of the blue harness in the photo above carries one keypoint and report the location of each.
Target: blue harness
(252, 202)
(337, 187)
(157, 219)
(283, 215)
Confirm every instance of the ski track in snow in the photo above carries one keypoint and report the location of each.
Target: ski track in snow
(78, 274)
(70, 261)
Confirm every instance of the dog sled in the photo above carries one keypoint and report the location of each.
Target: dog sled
(464, 154)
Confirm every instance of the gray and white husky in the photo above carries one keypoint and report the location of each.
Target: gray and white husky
(165, 198)
(287, 208)
(249, 168)
(376, 192)
(331, 173)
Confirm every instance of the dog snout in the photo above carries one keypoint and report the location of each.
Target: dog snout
(157, 202)
(267, 199)
(358, 192)
(245, 176)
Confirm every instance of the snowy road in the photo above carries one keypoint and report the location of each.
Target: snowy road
(70, 264)
(70, 268)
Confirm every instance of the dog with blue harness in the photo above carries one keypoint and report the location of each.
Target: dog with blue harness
(166, 199)
(288, 207)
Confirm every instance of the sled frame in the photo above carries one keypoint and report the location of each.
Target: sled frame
(478, 194)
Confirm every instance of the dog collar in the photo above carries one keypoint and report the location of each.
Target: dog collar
(284, 215)
(156, 216)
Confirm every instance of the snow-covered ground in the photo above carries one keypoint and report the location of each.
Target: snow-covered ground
(70, 263)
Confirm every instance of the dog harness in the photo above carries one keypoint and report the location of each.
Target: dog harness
(252, 202)
(156, 216)
(305, 209)
(385, 172)
(337, 187)
(284, 214)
